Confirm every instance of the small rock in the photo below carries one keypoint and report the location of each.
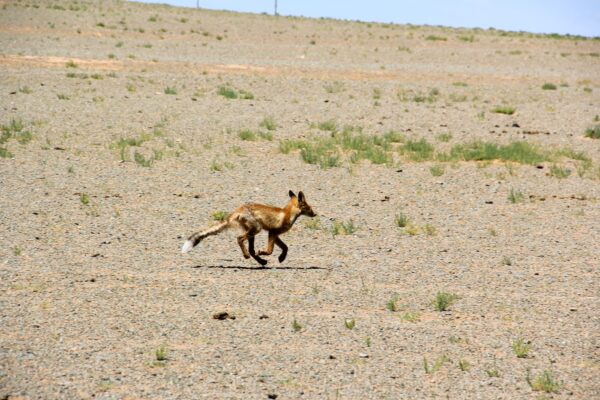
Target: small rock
(363, 355)
(264, 316)
(331, 357)
(223, 315)
(272, 396)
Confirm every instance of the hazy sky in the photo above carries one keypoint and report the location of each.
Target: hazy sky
(577, 17)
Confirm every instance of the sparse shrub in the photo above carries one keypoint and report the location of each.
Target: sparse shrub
(170, 90)
(330, 126)
(464, 365)
(247, 135)
(430, 230)
(410, 316)
(220, 215)
(62, 96)
(504, 110)
(71, 64)
(401, 220)
(549, 86)
(231, 93)
(558, 172)
(437, 170)
(521, 152)
(436, 38)
(269, 124)
(392, 304)
(593, 132)
(417, 150)
(506, 261)
(492, 373)
(161, 353)
(313, 223)
(141, 160)
(84, 199)
(393, 137)
(412, 230)
(521, 348)
(444, 300)
(349, 323)
(343, 228)
(228, 92)
(4, 153)
(296, 326)
(444, 137)
(430, 369)
(246, 95)
(14, 130)
(25, 90)
(544, 382)
(265, 135)
(516, 196)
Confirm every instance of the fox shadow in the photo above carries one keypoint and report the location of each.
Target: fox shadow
(257, 268)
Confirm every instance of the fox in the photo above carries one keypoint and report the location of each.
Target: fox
(252, 218)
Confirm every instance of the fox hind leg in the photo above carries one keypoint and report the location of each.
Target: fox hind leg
(241, 239)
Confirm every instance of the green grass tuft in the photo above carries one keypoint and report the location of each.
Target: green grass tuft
(558, 172)
(516, 196)
(549, 86)
(401, 220)
(417, 150)
(504, 110)
(593, 132)
(219, 215)
(521, 152)
(343, 228)
(544, 382)
(521, 348)
(444, 300)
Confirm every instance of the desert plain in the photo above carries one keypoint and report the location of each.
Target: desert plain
(455, 175)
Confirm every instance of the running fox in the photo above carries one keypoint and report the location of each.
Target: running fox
(252, 218)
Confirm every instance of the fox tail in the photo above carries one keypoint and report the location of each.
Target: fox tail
(197, 237)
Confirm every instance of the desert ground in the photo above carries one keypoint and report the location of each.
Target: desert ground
(434, 269)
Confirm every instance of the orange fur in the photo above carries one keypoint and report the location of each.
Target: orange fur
(253, 218)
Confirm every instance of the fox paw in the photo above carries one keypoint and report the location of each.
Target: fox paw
(281, 257)
(261, 261)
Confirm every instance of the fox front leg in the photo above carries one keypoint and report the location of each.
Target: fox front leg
(283, 247)
(261, 261)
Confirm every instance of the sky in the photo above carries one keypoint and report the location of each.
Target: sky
(575, 17)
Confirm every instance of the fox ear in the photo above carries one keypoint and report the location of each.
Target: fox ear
(301, 197)
(292, 194)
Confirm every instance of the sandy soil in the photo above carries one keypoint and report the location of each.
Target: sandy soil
(92, 282)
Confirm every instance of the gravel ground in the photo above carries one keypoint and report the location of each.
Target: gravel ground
(96, 300)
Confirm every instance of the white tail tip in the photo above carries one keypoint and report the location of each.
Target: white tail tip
(187, 246)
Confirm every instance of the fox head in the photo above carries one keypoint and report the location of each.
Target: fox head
(305, 208)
